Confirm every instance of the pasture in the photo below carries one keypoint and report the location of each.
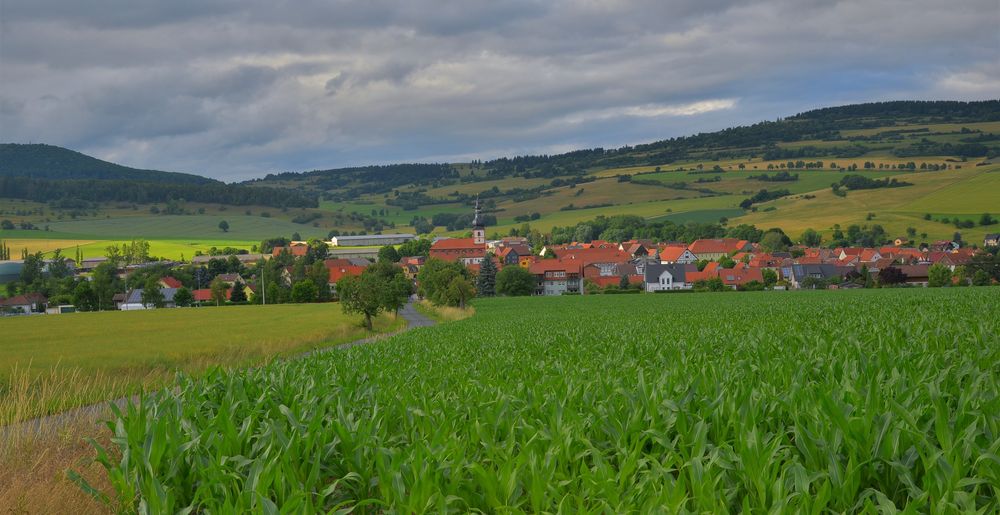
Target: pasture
(851, 401)
(51, 363)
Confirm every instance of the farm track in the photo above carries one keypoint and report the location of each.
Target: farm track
(51, 424)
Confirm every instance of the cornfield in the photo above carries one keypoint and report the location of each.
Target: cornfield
(809, 402)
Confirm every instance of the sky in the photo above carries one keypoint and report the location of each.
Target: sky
(235, 89)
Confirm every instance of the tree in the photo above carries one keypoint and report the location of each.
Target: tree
(436, 276)
(238, 294)
(811, 238)
(623, 283)
(84, 298)
(981, 278)
(515, 281)
(304, 291)
(219, 289)
(360, 294)
(712, 284)
(319, 274)
(938, 275)
(891, 276)
(103, 283)
(774, 241)
(183, 297)
(152, 295)
(7, 225)
(388, 253)
(459, 292)
(770, 277)
(224, 225)
(987, 219)
(486, 281)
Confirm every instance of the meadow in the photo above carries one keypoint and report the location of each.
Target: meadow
(52, 363)
(851, 401)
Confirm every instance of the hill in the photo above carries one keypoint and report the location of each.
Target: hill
(46, 173)
(773, 174)
(40, 161)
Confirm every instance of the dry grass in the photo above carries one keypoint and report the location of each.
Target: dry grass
(444, 313)
(34, 466)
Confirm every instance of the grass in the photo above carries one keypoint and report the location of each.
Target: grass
(861, 401)
(895, 208)
(53, 363)
(442, 314)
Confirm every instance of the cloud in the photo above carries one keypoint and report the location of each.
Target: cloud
(234, 89)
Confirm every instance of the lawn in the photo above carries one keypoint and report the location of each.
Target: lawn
(50, 363)
(850, 401)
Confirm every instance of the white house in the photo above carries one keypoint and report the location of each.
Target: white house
(662, 277)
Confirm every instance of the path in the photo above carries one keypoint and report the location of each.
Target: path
(52, 423)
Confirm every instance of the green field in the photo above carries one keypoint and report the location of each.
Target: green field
(51, 363)
(861, 401)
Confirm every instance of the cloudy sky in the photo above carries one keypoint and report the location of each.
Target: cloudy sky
(237, 88)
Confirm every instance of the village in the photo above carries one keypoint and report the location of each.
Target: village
(310, 271)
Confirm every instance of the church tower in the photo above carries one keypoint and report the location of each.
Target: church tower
(478, 231)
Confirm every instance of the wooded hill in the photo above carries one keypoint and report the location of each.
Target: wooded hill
(46, 173)
(829, 127)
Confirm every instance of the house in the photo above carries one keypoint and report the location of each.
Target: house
(557, 276)
(89, 264)
(740, 275)
(610, 274)
(670, 255)
(339, 272)
(295, 249)
(713, 249)
(991, 240)
(800, 272)
(230, 279)
(133, 299)
(667, 276)
(916, 275)
(118, 299)
(371, 240)
(25, 303)
(944, 246)
(170, 282)
(512, 254)
(204, 295)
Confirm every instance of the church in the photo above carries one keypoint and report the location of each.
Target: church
(468, 251)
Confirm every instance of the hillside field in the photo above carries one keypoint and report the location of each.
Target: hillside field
(836, 401)
(562, 190)
(51, 363)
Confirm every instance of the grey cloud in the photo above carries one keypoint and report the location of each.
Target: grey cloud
(233, 88)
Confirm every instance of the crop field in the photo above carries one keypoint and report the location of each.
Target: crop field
(894, 208)
(813, 402)
(51, 363)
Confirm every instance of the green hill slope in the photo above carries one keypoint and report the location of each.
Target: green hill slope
(51, 162)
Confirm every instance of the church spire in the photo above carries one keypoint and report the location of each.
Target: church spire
(476, 223)
(478, 231)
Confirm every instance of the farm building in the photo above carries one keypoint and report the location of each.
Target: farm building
(991, 240)
(133, 299)
(370, 240)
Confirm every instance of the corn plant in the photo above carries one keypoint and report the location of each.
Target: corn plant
(810, 402)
